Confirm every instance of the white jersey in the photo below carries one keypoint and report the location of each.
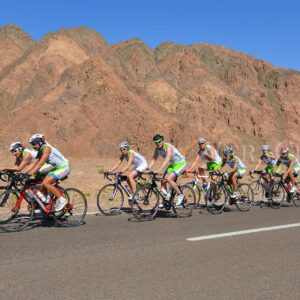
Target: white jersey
(269, 161)
(176, 158)
(207, 150)
(138, 160)
(231, 162)
(56, 159)
(33, 153)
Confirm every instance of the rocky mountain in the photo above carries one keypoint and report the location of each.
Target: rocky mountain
(87, 95)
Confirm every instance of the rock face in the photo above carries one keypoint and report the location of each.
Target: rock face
(87, 96)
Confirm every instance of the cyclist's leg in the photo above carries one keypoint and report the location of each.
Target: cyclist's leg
(131, 180)
(173, 171)
(202, 170)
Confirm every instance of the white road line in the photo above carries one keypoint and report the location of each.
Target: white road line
(241, 232)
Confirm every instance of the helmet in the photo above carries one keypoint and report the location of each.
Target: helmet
(283, 150)
(265, 148)
(158, 138)
(124, 145)
(228, 150)
(16, 145)
(37, 138)
(201, 140)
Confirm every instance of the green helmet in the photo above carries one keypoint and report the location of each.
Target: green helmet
(158, 138)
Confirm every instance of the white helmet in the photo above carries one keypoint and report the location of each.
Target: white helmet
(265, 148)
(37, 138)
(16, 145)
(124, 145)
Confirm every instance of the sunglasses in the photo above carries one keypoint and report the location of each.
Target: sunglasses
(123, 149)
(157, 142)
(14, 151)
(201, 143)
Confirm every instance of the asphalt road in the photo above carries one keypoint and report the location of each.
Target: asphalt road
(116, 258)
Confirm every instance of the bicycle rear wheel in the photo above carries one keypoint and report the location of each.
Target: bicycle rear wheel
(75, 211)
(188, 203)
(145, 207)
(277, 194)
(216, 199)
(110, 199)
(14, 218)
(245, 197)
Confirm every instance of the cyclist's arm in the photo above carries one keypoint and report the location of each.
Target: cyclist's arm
(223, 163)
(166, 161)
(235, 167)
(290, 168)
(116, 165)
(130, 160)
(40, 161)
(153, 160)
(258, 165)
(212, 156)
(272, 155)
(276, 168)
(194, 163)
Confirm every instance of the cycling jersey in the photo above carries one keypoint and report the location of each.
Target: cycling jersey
(208, 150)
(232, 160)
(139, 162)
(176, 158)
(55, 158)
(287, 161)
(269, 161)
(33, 153)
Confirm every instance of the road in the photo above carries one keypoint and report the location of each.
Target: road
(117, 258)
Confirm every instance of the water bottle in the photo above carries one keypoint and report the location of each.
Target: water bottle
(41, 196)
(287, 187)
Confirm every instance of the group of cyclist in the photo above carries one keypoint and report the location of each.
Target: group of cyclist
(174, 164)
(47, 163)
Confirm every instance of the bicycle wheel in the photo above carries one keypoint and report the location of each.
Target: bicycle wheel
(258, 192)
(296, 195)
(188, 203)
(15, 218)
(245, 197)
(146, 207)
(277, 194)
(75, 211)
(216, 199)
(197, 192)
(110, 199)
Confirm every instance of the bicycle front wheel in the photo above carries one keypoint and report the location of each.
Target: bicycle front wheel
(216, 199)
(15, 216)
(258, 192)
(75, 211)
(245, 197)
(277, 194)
(188, 203)
(145, 203)
(110, 199)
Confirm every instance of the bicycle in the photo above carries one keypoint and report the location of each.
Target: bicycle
(19, 205)
(148, 195)
(110, 198)
(263, 191)
(217, 196)
(281, 188)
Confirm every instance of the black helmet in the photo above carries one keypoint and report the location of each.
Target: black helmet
(16, 145)
(37, 138)
(158, 138)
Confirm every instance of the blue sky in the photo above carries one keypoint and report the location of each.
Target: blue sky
(264, 29)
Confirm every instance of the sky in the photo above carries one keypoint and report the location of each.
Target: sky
(265, 29)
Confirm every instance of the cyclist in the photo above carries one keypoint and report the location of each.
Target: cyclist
(292, 164)
(211, 155)
(58, 167)
(174, 164)
(24, 157)
(237, 172)
(133, 158)
(269, 159)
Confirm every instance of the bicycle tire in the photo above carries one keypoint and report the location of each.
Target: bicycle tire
(197, 192)
(245, 198)
(20, 218)
(258, 192)
(75, 211)
(146, 207)
(277, 194)
(107, 206)
(220, 202)
(186, 208)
